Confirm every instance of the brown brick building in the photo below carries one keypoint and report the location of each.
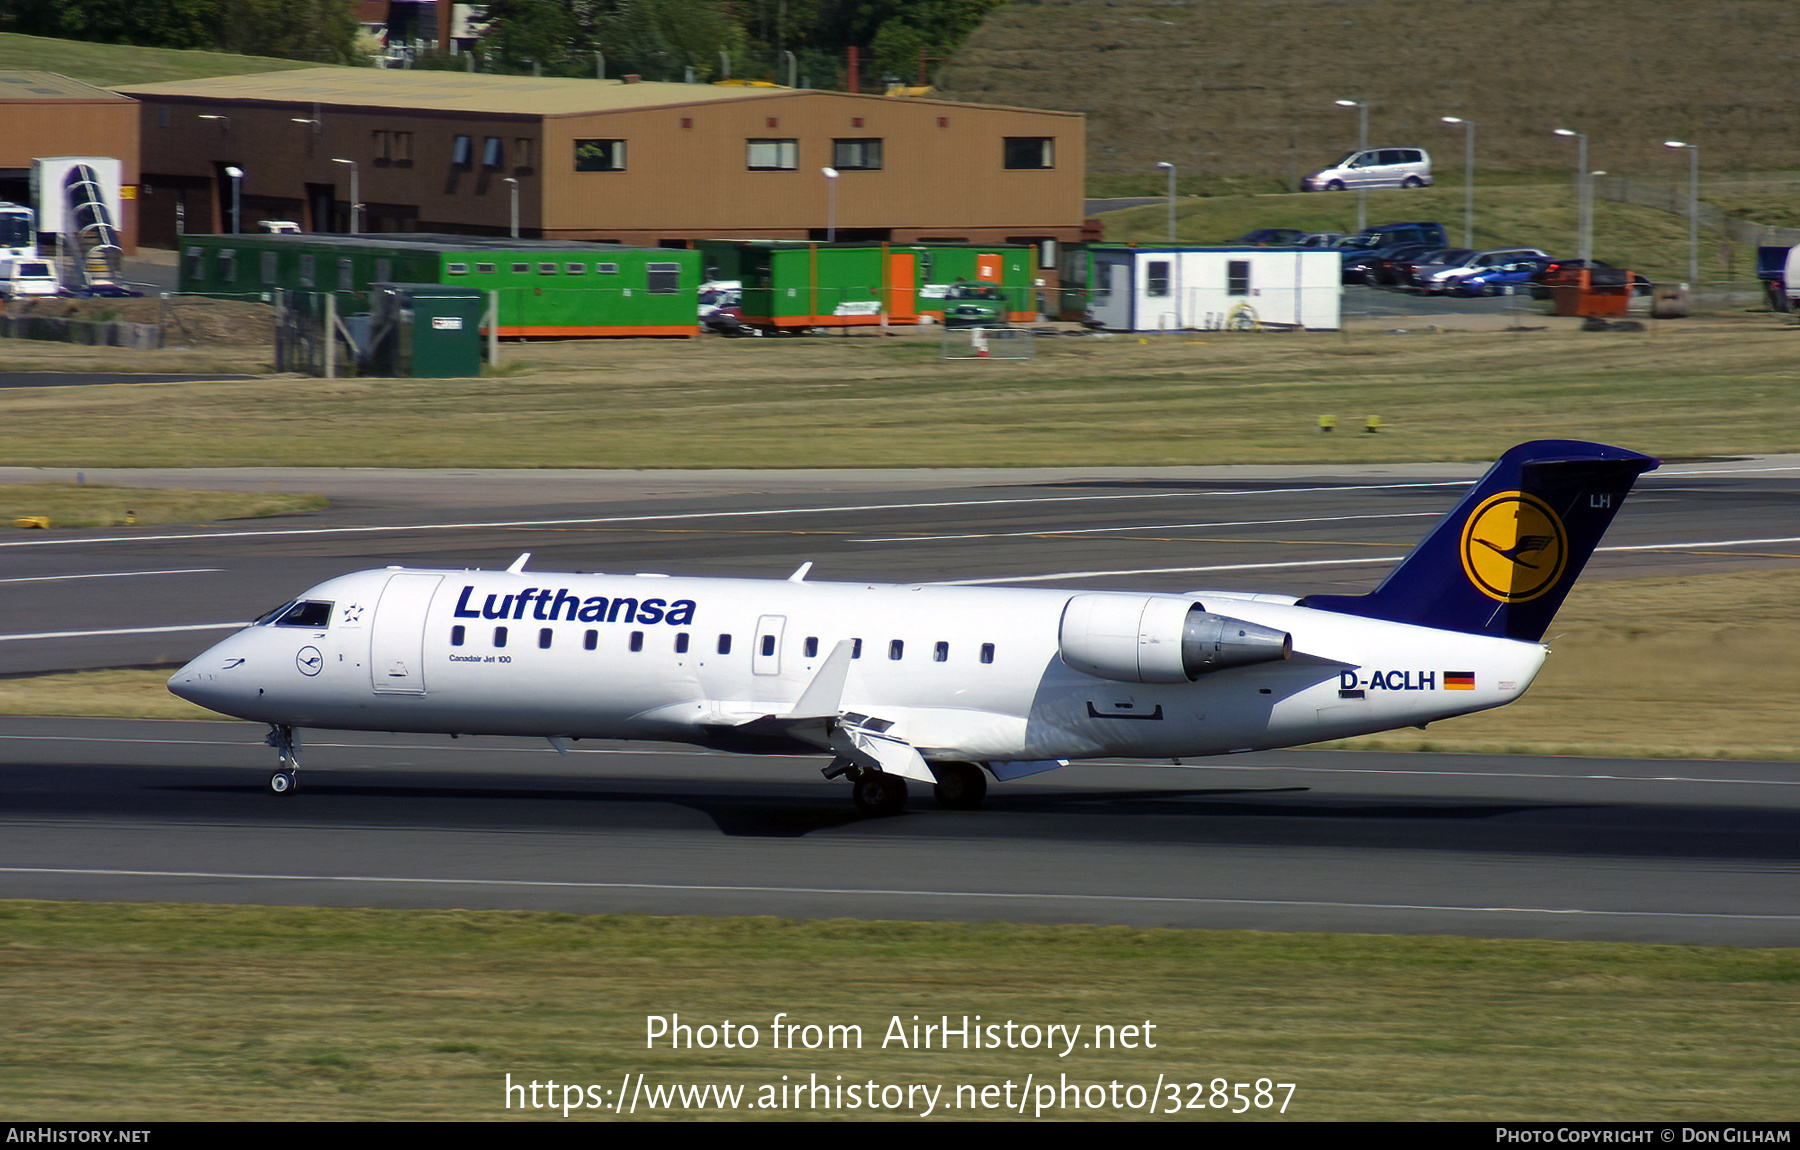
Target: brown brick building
(44, 114)
(638, 163)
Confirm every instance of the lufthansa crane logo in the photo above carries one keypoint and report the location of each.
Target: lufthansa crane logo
(1514, 548)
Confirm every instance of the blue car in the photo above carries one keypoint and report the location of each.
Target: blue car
(1498, 279)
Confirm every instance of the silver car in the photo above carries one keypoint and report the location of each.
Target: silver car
(1374, 168)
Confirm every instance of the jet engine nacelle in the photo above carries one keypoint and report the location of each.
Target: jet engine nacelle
(1160, 639)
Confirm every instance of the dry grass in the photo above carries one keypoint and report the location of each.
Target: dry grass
(1683, 388)
(1243, 92)
(96, 505)
(221, 1013)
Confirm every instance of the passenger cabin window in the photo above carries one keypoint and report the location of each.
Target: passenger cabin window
(590, 640)
(724, 644)
(812, 646)
(896, 648)
(940, 653)
(456, 636)
(637, 640)
(681, 643)
(499, 636)
(544, 634)
(987, 652)
(306, 613)
(856, 648)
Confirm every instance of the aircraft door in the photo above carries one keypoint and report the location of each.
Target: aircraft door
(766, 658)
(397, 641)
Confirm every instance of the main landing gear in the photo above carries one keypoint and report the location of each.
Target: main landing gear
(286, 741)
(878, 794)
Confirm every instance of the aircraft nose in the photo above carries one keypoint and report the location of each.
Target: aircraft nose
(214, 679)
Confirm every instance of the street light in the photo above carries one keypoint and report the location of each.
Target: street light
(1171, 167)
(225, 125)
(237, 209)
(1584, 184)
(1468, 177)
(356, 195)
(1362, 145)
(1693, 151)
(515, 204)
(831, 177)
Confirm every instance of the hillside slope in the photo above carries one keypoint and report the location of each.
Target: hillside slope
(111, 65)
(1243, 90)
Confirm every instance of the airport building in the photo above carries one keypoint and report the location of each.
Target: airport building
(653, 164)
(44, 114)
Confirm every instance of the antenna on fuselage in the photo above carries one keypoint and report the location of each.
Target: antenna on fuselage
(518, 567)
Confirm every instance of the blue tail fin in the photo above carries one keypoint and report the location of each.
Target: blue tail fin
(1502, 562)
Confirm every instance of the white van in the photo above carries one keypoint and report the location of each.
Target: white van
(1374, 168)
(28, 277)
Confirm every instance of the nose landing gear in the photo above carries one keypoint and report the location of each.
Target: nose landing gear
(286, 741)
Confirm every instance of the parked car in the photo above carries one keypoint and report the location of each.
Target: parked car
(1562, 271)
(1373, 168)
(1410, 271)
(1268, 238)
(1319, 240)
(28, 277)
(105, 291)
(1443, 278)
(971, 304)
(1389, 269)
(721, 306)
(1501, 279)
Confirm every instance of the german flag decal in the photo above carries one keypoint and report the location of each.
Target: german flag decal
(1459, 680)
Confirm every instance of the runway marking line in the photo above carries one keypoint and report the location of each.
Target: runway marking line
(111, 575)
(98, 872)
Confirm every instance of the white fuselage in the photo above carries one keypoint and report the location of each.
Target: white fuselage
(960, 673)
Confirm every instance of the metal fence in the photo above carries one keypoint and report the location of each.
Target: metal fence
(989, 343)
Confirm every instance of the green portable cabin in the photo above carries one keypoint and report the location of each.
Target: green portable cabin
(800, 284)
(544, 288)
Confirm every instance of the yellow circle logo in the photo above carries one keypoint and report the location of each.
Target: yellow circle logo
(1514, 547)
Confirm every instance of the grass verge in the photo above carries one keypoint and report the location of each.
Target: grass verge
(217, 1013)
(1679, 388)
(97, 505)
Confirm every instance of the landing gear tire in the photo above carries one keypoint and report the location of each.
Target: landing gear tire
(960, 786)
(284, 783)
(879, 795)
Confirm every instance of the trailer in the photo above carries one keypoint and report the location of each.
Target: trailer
(543, 289)
(1177, 288)
(791, 285)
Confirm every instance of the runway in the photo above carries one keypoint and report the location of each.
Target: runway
(1565, 848)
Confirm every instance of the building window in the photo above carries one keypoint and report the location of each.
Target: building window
(662, 279)
(346, 275)
(493, 153)
(383, 146)
(774, 155)
(268, 267)
(1031, 151)
(1237, 277)
(521, 153)
(599, 155)
(482, 269)
(403, 148)
(306, 271)
(575, 269)
(462, 152)
(606, 269)
(856, 155)
(228, 266)
(196, 258)
(546, 269)
(384, 271)
(1157, 281)
(521, 269)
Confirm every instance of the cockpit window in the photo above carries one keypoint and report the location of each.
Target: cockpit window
(306, 613)
(268, 617)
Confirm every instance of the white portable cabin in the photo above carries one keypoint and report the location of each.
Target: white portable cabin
(1214, 289)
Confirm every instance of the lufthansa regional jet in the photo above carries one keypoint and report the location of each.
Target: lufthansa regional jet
(938, 685)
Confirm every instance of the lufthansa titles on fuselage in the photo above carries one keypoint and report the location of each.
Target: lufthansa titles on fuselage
(557, 603)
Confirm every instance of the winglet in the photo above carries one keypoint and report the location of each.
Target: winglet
(1503, 560)
(800, 575)
(826, 691)
(518, 565)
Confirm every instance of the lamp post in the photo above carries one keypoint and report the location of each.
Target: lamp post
(237, 203)
(356, 195)
(1468, 177)
(225, 121)
(514, 185)
(1171, 167)
(1362, 144)
(1584, 190)
(831, 178)
(1693, 151)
